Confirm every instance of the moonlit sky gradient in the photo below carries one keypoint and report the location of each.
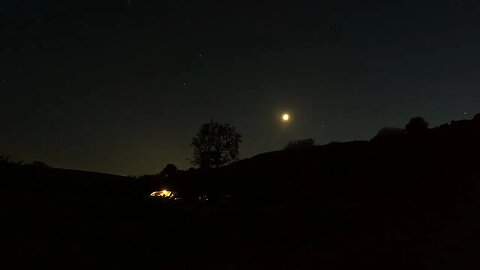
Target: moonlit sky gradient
(122, 86)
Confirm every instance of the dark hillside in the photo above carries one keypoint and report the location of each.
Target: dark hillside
(409, 199)
(68, 183)
(361, 169)
(403, 201)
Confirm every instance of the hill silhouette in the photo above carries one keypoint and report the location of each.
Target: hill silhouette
(392, 164)
(403, 199)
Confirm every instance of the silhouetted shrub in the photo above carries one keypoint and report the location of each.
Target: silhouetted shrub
(388, 133)
(416, 125)
(477, 117)
(4, 159)
(39, 164)
(7, 161)
(300, 144)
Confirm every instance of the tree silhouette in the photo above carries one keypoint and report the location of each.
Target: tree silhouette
(416, 125)
(300, 144)
(169, 171)
(215, 144)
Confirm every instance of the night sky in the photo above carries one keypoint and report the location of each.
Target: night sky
(121, 86)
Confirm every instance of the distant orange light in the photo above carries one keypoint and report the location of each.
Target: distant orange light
(162, 193)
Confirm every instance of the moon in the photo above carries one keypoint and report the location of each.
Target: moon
(286, 117)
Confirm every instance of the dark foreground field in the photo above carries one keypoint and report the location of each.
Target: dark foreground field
(410, 202)
(57, 232)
